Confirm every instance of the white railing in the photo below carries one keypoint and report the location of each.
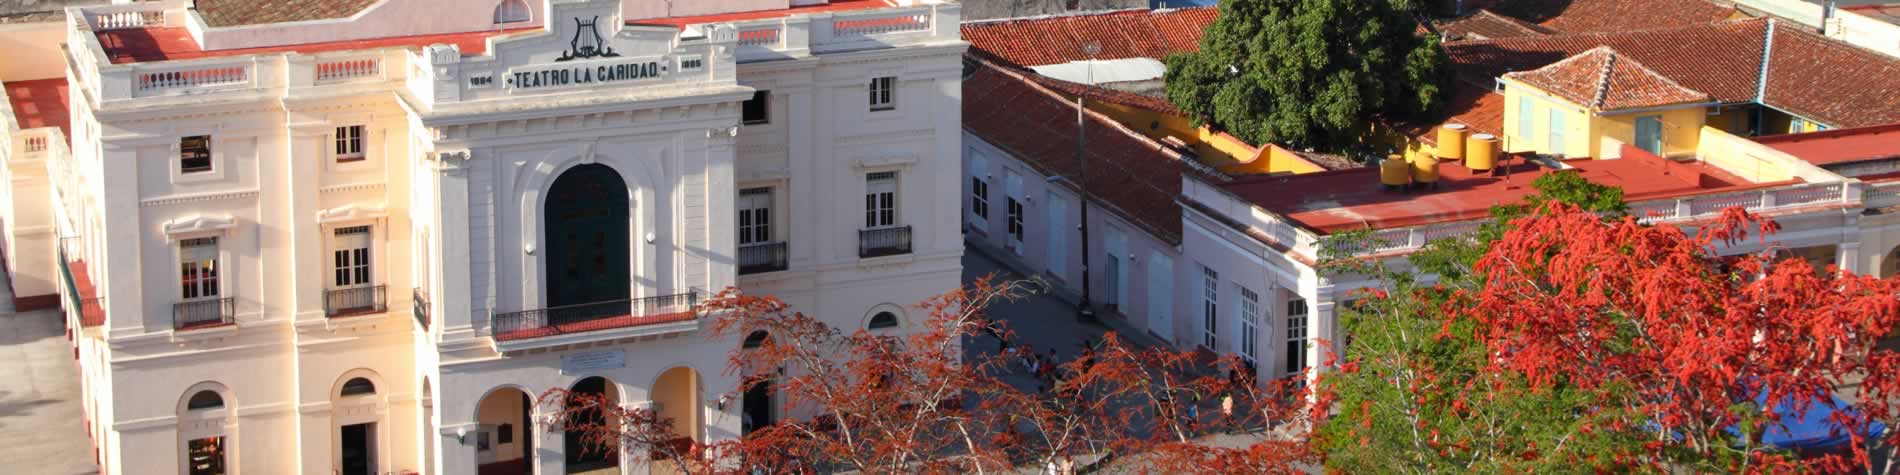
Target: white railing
(348, 69)
(770, 34)
(127, 20)
(880, 22)
(183, 79)
(1882, 195)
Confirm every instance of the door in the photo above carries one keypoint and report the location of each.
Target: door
(1557, 143)
(758, 406)
(588, 250)
(1118, 276)
(1649, 133)
(1160, 295)
(1013, 185)
(1058, 255)
(359, 453)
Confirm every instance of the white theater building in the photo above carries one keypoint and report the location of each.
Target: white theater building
(358, 238)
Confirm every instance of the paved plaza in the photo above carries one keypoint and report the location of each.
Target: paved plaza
(41, 427)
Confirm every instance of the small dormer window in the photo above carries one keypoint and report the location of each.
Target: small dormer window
(512, 11)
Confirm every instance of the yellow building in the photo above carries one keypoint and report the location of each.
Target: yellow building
(1575, 106)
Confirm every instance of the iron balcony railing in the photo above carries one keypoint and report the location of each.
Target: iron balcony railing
(420, 306)
(884, 241)
(355, 301)
(761, 257)
(203, 313)
(588, 317)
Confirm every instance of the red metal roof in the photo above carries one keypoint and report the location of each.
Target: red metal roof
(1839, 145)
(136, 45)
(40, 103)
(1138, 33)
(1602, 80)
(1354, 199)
(1036, 126)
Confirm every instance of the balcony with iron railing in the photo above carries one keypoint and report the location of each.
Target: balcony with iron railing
(419, 306)
(82, 297)
(880, 242)
(197, 314)
(762, 257)
(660, 314)
(354, 301)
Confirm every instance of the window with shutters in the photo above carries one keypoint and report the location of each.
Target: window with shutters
(198, 264)
(880, 200)
(1210, 306)
(755, 216)
(349, 143)
(883, 93)
(1249, 320)
(350, 257)
(1295, 335)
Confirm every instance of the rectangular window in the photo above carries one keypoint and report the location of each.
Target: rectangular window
(1295, 335)
(1526, 121)
(880, 200)
(194, 154)
(882, 93)
(205, 456)
(1649, 133)
(1210, 315)
(198, 264)
(349, 143)
(1557, 145)
(755, 215)
(757, 110)
(351, 257)
(979, 198)
(1249, 319)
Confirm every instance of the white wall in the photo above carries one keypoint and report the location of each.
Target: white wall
(32, 50)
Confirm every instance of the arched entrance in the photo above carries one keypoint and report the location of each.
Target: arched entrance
(677, 395)
(503, 443)
(584, 458)
(426, 403)
(589, 254)
(757, 408)
(1892, 265)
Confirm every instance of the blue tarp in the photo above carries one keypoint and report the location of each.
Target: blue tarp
(1813, 430)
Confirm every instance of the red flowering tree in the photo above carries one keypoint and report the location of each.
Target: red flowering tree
(1587, 341)
(920, 403)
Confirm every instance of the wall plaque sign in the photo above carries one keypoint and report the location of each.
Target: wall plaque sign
(581, 74)
(593, 360)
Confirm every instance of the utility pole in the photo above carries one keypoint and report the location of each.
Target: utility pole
(1087, 312)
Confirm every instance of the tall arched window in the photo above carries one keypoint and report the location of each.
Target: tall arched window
(204, 429)
(755, 340)
(512, 11)
(883, 320)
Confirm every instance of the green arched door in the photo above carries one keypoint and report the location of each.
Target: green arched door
(588, 249)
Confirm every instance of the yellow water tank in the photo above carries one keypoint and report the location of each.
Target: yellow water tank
(1481, 152)
(1394, 171)
(1451, 142)
(1425, 169)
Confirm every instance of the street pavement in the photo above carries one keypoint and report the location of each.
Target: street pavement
(41, 425)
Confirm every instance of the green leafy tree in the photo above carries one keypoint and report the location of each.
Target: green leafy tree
(1309, 73)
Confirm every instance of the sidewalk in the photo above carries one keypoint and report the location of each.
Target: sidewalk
(42, 429)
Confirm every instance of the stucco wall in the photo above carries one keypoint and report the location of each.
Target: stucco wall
(32, 50)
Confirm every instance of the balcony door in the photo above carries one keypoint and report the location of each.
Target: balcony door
(588, 249)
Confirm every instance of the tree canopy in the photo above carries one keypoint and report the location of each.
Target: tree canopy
(1309, 73)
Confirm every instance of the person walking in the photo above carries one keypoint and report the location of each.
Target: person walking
(1227, 412)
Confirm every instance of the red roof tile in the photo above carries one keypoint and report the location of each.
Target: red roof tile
(1839, 145)
(40, 103)
(1122, 34)
(1722, 60)
(1134, 175)
(219, 13)
(136, 45)
(1354, 199)
(1486, 25)
(1478, 108)
(1602, 80)
(1830, 82)
(1835, 83)
(1584, 16)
